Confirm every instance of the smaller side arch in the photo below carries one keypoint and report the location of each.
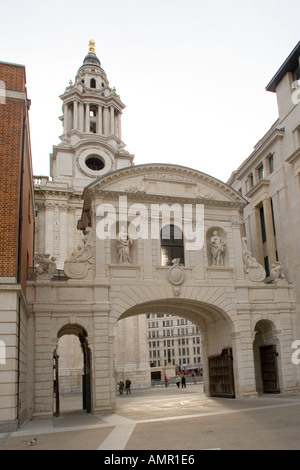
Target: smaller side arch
(266, 347)
(76, 330)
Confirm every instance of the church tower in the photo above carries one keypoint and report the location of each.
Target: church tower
(91, 146)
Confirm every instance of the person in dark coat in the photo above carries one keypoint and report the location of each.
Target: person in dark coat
(127, 386)
(183, 383)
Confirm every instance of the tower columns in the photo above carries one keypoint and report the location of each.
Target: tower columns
(119, 126)
(99, 119)
(87, 117)
(112, 120)
(81, 117)
(75, 115)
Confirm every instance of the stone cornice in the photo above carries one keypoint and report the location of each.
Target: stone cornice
(90, 95)
(263, 183)
(294, 157)
(165, 172)
(160, 198)
(273, 136)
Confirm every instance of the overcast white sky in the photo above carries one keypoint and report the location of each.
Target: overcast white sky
(192, 73)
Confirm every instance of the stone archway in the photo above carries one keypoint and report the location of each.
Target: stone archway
(214, 324)
(81, 334)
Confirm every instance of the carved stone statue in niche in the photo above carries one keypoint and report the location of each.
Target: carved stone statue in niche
(124, 243)
(217, 248)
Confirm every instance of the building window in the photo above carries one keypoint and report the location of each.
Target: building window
(266, 262)
(261, 172)
(171, 245)
(93, 83)
(93, 111)
(94, 163)
(262, 223)
(271, 163)
(251, 181)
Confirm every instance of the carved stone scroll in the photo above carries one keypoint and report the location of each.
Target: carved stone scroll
(254, 270)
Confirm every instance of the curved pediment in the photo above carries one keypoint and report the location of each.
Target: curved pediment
(156, 181)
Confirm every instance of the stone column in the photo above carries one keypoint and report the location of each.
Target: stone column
(75, 115)
(63, 235)
(104, 389)
(112, 120)
(87, 118)
(80, 117)
(49, 223)
(66, 118)
(106, 121)
(99, 120)
(258, 248)
(269, 231)
(243, 360)
(119, 127)
(45, 345)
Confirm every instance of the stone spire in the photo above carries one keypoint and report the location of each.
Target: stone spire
(91, 58)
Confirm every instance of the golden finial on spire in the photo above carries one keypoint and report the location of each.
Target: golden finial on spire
(92, 47)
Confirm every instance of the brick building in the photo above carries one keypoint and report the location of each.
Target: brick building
(16, 241)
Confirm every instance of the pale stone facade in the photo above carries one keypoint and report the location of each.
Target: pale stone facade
(230, 304)
(219, 286)
(121, 267)
(270, 181)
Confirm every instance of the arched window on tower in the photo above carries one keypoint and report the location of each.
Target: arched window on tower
(93, 83)
(172, 245)
(93, 115)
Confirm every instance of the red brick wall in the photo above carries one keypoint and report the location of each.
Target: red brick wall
(13, 76)
(12, 115)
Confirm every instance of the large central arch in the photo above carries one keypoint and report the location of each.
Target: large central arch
(215, 326)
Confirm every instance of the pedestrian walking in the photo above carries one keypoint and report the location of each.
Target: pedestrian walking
(128, 386)
(183, 382)
(121, 387)
(178, 380)
(166, 381)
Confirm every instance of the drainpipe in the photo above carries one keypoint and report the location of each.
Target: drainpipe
(19, 271)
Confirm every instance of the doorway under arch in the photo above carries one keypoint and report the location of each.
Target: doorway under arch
(80, 333)
(266, 351)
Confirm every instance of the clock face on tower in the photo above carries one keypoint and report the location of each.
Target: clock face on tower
(94, 162)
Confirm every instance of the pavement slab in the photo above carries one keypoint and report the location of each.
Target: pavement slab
(168, 419)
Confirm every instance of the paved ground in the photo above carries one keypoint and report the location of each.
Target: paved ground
(169, 419)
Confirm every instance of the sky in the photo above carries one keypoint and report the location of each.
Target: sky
(192, 74)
